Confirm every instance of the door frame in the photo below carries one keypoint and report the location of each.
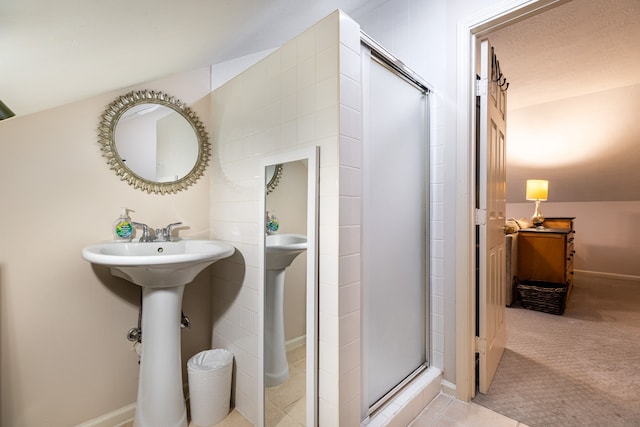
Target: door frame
(469, 32)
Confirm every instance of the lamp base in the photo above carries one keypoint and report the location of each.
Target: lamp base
(537, 219)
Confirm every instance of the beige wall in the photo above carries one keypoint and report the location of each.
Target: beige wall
(607, 233)
(588, 147)
(64, 356)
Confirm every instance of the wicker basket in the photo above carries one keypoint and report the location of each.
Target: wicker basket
(548, 297)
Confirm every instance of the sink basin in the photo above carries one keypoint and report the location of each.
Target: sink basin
(282, 249)
(162, 269)
(157, 264)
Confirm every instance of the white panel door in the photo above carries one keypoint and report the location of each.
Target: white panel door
(491, 217)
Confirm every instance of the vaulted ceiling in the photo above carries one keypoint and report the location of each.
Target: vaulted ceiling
(573, 100)
(56, 52)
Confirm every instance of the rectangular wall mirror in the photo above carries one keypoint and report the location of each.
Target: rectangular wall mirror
(289, 289)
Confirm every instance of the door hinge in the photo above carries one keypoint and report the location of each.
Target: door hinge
(480, 217)
(481, 345)
(481, 87)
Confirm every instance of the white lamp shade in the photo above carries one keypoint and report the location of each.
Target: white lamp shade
(537, 189)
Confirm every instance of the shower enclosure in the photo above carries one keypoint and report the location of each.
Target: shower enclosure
(395, 234)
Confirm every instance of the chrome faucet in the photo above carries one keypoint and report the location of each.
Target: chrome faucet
(146, 232)
(161, 234)
(164, 234)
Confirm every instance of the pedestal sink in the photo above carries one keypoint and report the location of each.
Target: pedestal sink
(280, 251)
(162, 269)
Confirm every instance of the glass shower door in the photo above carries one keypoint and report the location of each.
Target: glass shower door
(394, 231)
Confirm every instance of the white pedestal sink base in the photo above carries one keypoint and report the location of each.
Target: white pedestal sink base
(281, 250)
(160, 398)
(162, 269)
(276, 367)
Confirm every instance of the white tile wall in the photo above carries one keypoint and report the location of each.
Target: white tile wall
(350, 357)
(288, 99)
(309, 93)
(399, 26)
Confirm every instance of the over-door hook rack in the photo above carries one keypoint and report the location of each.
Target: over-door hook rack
(496, 74)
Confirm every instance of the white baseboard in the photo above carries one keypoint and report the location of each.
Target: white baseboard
(449, 388)
(608, 275)
(296, 342)
(113, 418)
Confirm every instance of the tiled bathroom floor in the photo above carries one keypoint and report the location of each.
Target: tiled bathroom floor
(285, 406)
(445, 411)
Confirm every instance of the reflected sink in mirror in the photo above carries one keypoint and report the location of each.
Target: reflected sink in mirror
(282, 249)
(157, 264)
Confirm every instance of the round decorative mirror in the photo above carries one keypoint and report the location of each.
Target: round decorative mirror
(154, 142)
(273, 175)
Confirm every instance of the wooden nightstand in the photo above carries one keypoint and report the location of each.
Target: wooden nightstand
(547, 254)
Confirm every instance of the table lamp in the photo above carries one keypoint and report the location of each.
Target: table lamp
(538, 190)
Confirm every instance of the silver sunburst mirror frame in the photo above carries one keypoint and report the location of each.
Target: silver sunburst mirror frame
(106, 138)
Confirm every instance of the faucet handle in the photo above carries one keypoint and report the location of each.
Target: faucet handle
(169, 229)
(146, 233)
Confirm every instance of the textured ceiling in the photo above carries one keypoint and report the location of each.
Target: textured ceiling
(573, 100)
(579, 47)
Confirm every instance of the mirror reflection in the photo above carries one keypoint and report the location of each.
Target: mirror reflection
(156, 143)
(153, 141)
(285, 298)
(273, 176)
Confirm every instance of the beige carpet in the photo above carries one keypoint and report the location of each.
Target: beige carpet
(575, 370)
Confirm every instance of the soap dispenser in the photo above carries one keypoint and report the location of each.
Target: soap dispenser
(272, 223)
(122, 227)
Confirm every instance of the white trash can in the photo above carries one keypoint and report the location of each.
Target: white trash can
(209, 374)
